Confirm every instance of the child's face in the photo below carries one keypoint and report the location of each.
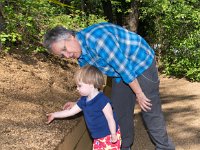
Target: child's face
(84, 89)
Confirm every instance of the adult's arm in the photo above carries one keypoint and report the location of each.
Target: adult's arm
(143, 101)
(115, 58)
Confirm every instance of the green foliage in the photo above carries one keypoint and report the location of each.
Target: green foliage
(12, 37)
(76, 21)
(174, 25)
(26, 21)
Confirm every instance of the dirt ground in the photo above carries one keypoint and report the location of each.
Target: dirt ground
(31, 86)
(181, 108)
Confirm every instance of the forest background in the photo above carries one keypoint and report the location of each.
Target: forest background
(172, 27)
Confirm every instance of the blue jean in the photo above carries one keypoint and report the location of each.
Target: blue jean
(124, 99)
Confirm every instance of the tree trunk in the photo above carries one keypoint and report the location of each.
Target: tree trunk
(132, 18)
(119, 18)
(107, 8)
(2, 21)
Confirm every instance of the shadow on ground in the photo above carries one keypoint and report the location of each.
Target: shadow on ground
(181, 108)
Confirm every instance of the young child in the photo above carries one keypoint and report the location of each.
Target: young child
(97, 110)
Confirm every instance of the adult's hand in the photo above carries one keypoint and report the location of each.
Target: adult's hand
(69, 105)
(143, 101)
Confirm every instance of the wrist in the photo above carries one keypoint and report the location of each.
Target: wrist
(53, 115)
(139, 93)
(113, 134)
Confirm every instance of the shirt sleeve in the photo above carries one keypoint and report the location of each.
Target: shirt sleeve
(108, 48)
(103, 102)
(80, 102)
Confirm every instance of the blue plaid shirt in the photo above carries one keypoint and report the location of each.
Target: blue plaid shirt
(115, 51)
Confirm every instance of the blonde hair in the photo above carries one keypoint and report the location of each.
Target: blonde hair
(90, 75)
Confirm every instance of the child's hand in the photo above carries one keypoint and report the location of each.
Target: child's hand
(114, 138)
(50, 118)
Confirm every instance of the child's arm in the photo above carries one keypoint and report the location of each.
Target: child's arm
(107, 110)
(63, 114)
(69, 105)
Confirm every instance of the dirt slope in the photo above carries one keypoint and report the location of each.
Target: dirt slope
(31, 86)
